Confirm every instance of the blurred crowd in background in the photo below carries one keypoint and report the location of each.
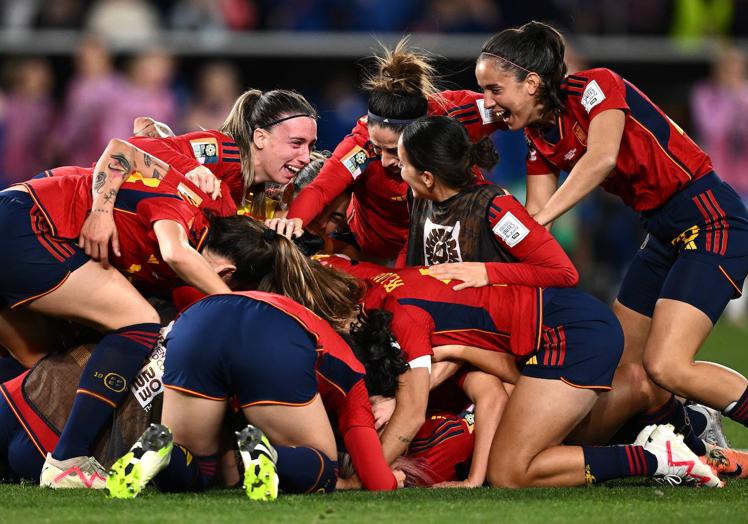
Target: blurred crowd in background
(49, 119)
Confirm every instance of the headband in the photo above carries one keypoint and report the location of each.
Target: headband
(507, 61)
(274, 122)
(390, 121)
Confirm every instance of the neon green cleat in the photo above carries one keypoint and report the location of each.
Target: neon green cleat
(148, 456)
(259, 458)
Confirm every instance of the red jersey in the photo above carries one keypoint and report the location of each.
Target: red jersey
(500, 318)
(656, 158)
(378, 213)
(65, 199)
(212, 149)
(343, 390)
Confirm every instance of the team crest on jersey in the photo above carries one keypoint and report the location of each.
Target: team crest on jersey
(355, 161)
(441, 244)
(510, 230)
(592, 96)
(205, 150)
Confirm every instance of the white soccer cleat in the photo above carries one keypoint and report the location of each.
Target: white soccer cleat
(76, 472)
(713, 433)
(641, 438)
(676, 463)
(148, 456)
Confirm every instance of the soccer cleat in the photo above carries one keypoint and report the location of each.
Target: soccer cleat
(641, 438)
(728, 462)
(713, 432)
(77, 472)
(146, 458)
(259, 458)
(676, 463)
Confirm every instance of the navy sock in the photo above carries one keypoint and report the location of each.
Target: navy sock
(186, 472)
(104, 383)
(305, 470)
(10, 368)
(698, 420)
(673, 412)
(613, 462)
(739, 412)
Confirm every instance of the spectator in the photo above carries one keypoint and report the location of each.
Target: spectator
(217, 91)
(124, 20)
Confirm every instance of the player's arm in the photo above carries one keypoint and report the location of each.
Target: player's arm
(410, 413)
(150, 127)
(488, 394)
(118, 160)
(496, 363)
(540, 189)
(187, 263)
(603, 143)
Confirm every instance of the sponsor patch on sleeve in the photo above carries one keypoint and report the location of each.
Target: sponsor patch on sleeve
(205, 150)
(487, 115)
(355, 160)
(592, 96)
(510, 230)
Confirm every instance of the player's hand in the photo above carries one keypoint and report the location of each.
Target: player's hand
(472, 274)
(203, 178)
(288, 227)
(97, 232)
(400, 477)
(457, 484)
(147, 126)
(382, 408)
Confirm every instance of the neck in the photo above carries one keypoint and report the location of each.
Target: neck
(259, 174)
(441, 193)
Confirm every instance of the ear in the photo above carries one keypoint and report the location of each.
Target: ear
(532, 81)
(428, 179)
(226, 271)
(259, 137)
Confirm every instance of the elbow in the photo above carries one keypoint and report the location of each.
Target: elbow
(571, 276)
(174, 256)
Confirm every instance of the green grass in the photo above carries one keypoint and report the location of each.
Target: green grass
(624, 501)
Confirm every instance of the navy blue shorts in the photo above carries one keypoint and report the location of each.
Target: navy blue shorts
(696, 251)
(232, 345)
(582, 341)
(33, 261)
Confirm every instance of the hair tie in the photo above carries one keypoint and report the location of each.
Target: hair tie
(269, 235)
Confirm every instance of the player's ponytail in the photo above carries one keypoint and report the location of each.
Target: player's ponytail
(257, 110)
(440, 145)
(533, 48)
(400, 87)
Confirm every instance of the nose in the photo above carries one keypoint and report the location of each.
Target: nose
(389, 160)
(305, 156)
(488, 102)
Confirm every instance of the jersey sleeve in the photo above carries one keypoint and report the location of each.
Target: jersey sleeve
(162, 208)
(602, 90)
(411, 326)
(347, 163)
(540, 260)
(362, 442)
(165, 150)
(468, 108)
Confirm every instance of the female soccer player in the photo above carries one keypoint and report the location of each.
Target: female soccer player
(455, 218)
(570, 345)
(604, 131)
(284, 366)
(400, 91)
(160, 216)
(267, 137)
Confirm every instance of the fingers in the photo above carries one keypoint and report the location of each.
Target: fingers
(115, 244)
(400, 477)
(464, 285)
(289, 228)
(217, 190)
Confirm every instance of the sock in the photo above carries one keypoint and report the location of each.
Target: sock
(305, 470)
(698, 420)
(10, 368)
(739, 412)
(104, 383)
(613, 462)
(186, 472)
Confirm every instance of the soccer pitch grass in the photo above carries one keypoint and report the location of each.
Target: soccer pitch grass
(624, 501)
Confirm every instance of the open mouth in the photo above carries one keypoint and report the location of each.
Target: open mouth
(504, 114)
(291, 171)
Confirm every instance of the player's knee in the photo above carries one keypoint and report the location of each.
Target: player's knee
(506, 471)
(663, 371)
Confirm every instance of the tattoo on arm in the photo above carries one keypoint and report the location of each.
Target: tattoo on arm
(148, 159)
(99, 182)
(157, 174)
(110, 195)
(402, 439)
(121, 164)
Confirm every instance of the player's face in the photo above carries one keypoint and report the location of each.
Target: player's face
(412, 176)
(384, 141)
(284, 149)
(513, 101)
